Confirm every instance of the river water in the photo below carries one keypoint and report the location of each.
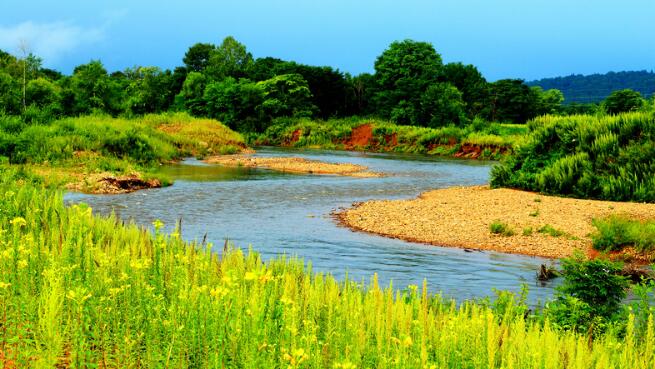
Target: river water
(278, 213)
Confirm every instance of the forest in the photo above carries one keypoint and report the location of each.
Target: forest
(595, 88)
(411, 86)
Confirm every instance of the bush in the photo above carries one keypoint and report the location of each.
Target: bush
(503, 229)
(590, 295)
(608, 158)
(616, 232)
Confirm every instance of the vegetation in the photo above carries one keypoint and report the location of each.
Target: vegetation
(599, 157)
(595, 88)
(65, 148)
(80, 290)
(501, 228)
(589, 299)
(616, 232)
(478, 140)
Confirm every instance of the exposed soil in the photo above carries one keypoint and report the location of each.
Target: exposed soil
(105, 183)
(360, 137)
(293, 165)
(461, 217)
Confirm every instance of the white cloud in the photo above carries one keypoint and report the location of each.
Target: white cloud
(48, 40)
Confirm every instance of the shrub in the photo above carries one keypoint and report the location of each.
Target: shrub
(616, 232)
(606, 157)
(503, 229)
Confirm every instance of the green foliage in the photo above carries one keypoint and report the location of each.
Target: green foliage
(606, 157)
(442, 105)
(591, 293)
(551, 231)
(403, 72)
(196, 59)
(501, 228)
(229, 59)
(616, 232)
(80, 290)
(623, 101)
(511, 100)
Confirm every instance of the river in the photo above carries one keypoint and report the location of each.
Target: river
(279, 213)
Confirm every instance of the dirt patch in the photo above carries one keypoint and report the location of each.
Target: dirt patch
(361, 136)
(293, 165)
(105, 183)
(391, 140)
(461, 217)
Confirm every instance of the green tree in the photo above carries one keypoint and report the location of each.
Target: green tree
(623, 101)
(235, 103)
(230, 59)
(191, 97)
(196, 59)
(43, 93)
(549, 101)
(10, 95)
(92, 89)
(442, 104)
(403, 72)
(470, 82)
(286, 95)
(150, 90)
(511, 100)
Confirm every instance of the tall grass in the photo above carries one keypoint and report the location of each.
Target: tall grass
(77, 290)
(63, 148)
(601, 157)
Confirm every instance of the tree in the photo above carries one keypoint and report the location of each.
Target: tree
(235, 103)
(511, 100)
(549, 101)
(230, 59)
(43, 93)
(623, 101)
(264, 68)
(403, 72)
(442, 104)
(470, 82)
(10, 97)
(92, 89)
(196, 59)
(328, 87)
(191, 95)
(149, 90)
(285, 95)
(363, 89)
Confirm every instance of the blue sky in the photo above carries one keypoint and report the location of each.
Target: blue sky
(503, 38)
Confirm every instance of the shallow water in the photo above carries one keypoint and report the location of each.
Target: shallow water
(289, 214)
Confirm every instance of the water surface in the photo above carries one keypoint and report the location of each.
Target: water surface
(279, 213)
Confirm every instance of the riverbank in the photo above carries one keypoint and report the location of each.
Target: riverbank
(294, 165)
(537, 225)
(478, 140)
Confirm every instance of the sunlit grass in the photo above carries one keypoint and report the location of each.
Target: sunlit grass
(77, 290)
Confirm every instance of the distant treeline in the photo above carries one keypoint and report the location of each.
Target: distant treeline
(595, 88)
(410, 86)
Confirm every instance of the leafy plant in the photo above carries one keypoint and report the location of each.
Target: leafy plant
(501, 228)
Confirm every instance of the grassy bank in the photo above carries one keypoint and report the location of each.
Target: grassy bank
(597, 157)
(81, 151)
(478, 140)
(77, 290)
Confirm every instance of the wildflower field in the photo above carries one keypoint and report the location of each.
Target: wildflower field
(79, 290)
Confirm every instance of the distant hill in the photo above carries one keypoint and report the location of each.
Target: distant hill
(596, 87)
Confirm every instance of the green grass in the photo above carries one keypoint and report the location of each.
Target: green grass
(501, 228)
(61, 149)
(616, 232)
(551, 231)
(598, 157)
(493, 140)
(78, 290)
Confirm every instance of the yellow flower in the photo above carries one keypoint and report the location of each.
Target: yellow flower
(4, 285)
(158, 224)
(18, 222)
(250, 276)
